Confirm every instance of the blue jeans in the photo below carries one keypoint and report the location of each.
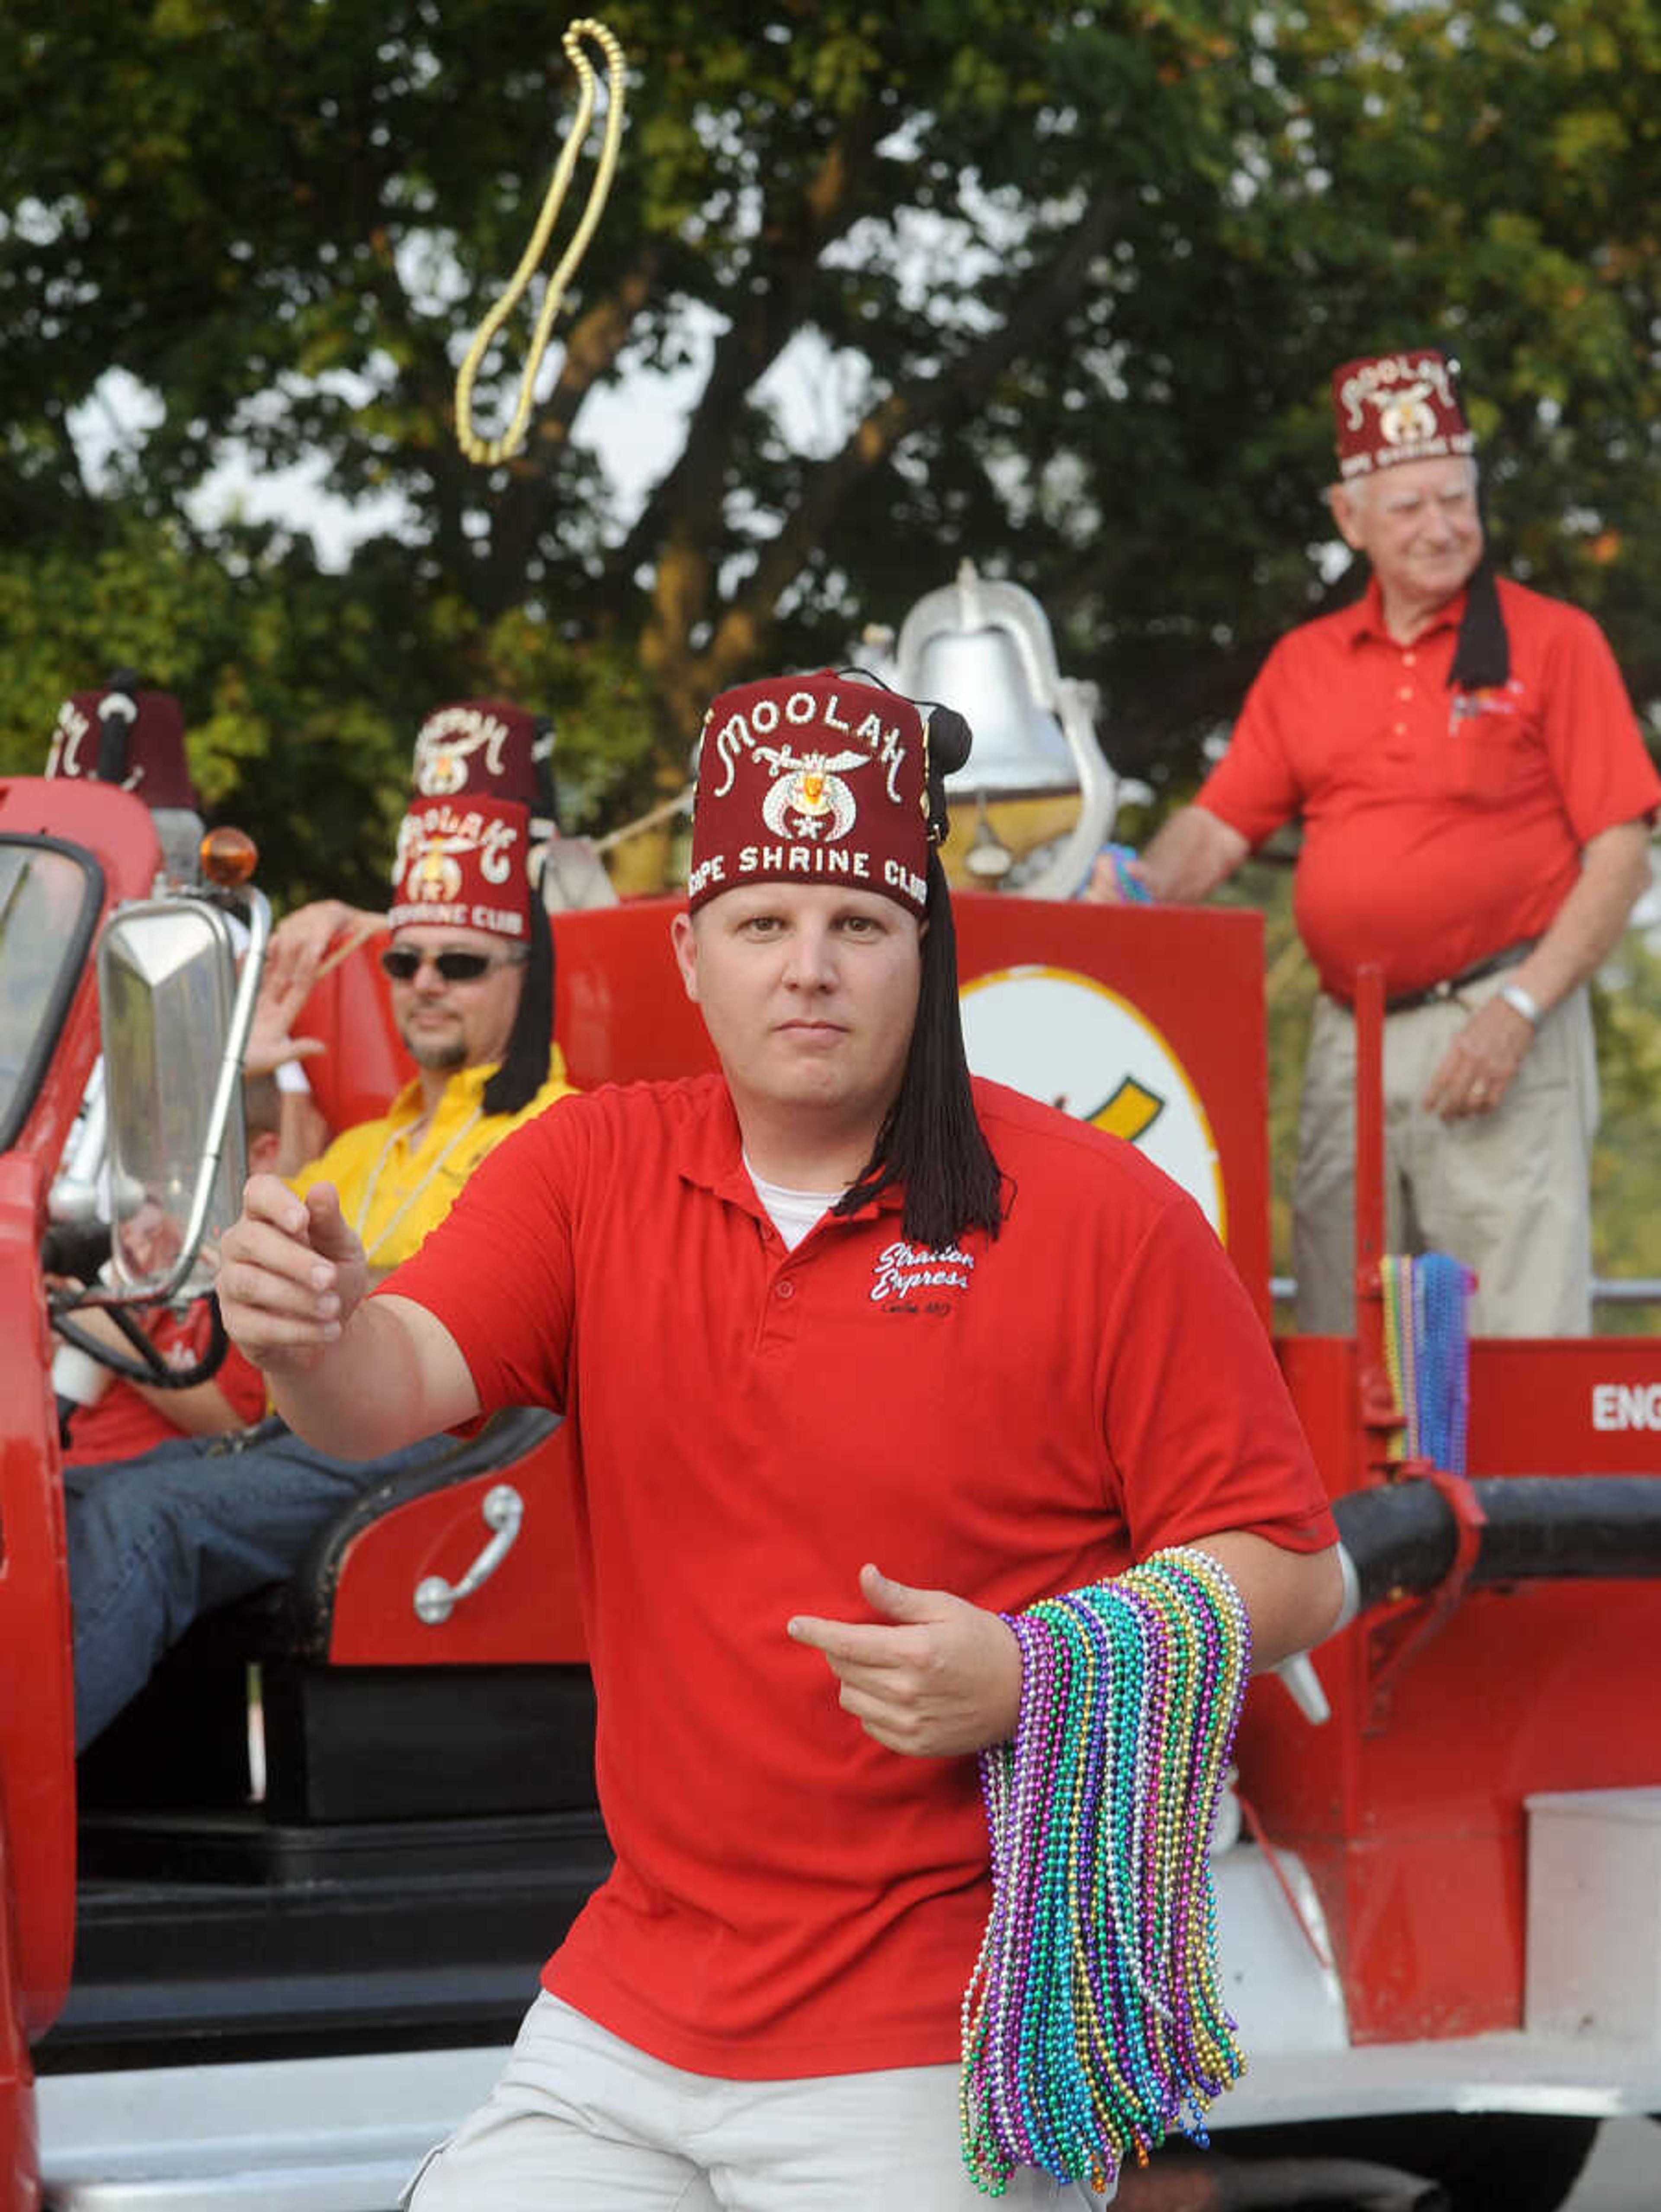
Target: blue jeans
(154, 1541)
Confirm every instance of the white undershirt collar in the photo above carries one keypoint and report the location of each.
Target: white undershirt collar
(792, 1213)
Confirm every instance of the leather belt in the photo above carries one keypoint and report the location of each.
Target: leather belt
(1512, 957)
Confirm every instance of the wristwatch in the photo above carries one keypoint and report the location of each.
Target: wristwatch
(1525, 1003)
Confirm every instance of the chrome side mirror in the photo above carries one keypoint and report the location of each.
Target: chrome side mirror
(176, 1017)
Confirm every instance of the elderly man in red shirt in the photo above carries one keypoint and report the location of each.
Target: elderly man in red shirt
(830, 1317)
(1476, 798)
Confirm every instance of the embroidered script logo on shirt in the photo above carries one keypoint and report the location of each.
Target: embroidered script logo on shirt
(902, 1270)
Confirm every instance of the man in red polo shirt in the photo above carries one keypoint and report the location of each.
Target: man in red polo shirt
(1476, 799)
(859, 1356)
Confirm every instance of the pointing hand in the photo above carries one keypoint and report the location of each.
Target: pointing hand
(936, 1678)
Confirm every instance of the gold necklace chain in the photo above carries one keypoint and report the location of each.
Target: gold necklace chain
(487, 452)
(469, 1124)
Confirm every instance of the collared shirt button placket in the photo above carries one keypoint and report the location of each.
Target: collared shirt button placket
(778, 1322)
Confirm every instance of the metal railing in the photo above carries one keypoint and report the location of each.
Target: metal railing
(1606, 1290)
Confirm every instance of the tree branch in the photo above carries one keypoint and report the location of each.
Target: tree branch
(899, 417)
(685, 497)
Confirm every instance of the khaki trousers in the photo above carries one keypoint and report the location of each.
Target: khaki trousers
(581, 2121)
(1508, 1193)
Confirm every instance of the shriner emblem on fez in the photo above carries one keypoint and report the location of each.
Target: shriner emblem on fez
(432, 846)
(1405, 415)
(435, 879)
(1398, 407)
(1396, 380)
(808, 797)
(446, 742)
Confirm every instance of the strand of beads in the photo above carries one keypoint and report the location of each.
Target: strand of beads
(1093, 2022)
(1441, 1287)
(1427, 1353)
(1391, 1279)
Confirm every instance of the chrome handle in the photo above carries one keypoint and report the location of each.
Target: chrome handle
(436, 1600)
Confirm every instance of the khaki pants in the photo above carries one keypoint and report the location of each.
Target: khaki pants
(582, 2122)
(1508, 1193)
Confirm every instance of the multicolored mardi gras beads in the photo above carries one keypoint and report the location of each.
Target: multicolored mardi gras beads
(1427, 1353)
(1092, 2023)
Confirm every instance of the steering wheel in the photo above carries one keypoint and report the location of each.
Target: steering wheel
(149, 1366)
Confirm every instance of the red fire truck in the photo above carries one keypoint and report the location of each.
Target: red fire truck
(268, 1968)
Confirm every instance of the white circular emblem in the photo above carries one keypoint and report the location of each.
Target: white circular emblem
(807, 797)
(1067, 1040)
(435, 879)
(1405, 417)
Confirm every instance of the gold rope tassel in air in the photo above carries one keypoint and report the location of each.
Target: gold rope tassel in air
(488, 452)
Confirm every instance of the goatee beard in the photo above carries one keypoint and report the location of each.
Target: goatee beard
(438, 1056)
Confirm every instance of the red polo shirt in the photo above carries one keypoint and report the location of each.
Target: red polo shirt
(1003, 1420)
(1439, 826)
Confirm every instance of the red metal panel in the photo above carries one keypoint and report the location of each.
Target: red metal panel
(1543, 1688)
(1410, 1814)
(37, 1772)
(527, 1613)
(19, 2148)
(1194, 975)
(1560, 1406)
(621, 1012)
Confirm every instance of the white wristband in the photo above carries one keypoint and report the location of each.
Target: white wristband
(292, 1076)
(1523, 1002)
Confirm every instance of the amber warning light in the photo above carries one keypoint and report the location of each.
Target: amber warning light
(228, 857)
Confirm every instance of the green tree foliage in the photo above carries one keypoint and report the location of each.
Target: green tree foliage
(1055, 286)
(1061, 284)
(1626, 1241)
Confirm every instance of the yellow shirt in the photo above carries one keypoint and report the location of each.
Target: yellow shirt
(391, 1194)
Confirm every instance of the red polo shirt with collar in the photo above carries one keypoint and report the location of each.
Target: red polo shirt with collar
(1003, 1419)
(1439, 826)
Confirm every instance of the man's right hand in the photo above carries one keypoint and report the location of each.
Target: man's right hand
(270, 1042)
(291, 1274)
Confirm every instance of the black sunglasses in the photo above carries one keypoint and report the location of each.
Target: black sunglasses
(404, 963)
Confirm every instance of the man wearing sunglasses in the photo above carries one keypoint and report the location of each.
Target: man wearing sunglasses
(488, 747)
(154, 1541)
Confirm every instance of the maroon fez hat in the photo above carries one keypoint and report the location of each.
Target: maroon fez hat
(125, 736)
(485, 746)
(820, 779)
(1397, 407)
(462, 864)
